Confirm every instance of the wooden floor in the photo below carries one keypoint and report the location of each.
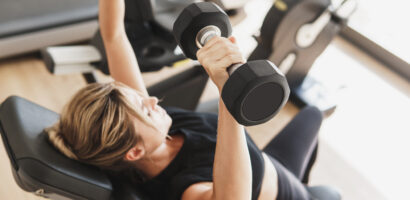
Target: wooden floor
(27, 77)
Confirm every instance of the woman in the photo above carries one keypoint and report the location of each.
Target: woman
(177, 154)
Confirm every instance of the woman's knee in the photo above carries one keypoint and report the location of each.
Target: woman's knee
(310, 116)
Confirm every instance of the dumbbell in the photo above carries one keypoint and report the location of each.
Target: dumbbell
(256, 90)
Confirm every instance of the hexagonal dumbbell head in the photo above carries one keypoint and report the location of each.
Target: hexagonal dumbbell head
(255, 92)
(195, 17)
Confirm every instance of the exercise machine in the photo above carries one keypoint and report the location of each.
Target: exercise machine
(149, 28)
(293, 34)
(28, 25)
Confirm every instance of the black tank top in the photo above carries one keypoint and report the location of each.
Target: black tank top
(194, 161)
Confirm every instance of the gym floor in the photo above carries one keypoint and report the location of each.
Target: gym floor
(362, 144)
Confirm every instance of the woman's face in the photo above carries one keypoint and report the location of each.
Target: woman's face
(152, 137)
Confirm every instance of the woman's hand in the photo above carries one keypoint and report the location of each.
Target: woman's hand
(216, 56)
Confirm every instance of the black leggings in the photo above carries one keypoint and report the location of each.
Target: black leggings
(293, 152)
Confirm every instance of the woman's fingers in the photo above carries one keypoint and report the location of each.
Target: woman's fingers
(216, 40)
(219, 50)
(221, 59)
(217, 55)
(227, 61)
(212, 42)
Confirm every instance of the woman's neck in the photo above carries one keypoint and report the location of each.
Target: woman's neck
(154, 163)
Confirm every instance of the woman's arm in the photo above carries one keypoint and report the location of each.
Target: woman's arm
(232, 178)
(232, 165)
(122, 62)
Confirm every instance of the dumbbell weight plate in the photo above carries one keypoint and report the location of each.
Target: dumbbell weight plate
(197, 17)
(254, 93)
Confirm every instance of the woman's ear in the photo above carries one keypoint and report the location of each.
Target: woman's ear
(135, 153)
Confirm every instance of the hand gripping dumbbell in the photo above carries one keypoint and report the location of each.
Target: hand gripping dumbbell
(256, 90)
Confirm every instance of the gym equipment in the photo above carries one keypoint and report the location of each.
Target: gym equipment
(39, 168)
(148, 26)
(255, 91)
(28, 25)
(153, 45)
(294, 33)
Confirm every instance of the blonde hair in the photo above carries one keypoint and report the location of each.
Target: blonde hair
(95, 127)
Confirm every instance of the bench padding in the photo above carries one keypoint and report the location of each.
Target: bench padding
(36, 164)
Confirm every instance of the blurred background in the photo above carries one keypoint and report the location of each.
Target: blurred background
(359, 78)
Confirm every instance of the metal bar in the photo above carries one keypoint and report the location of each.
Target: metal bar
(33, 41)
(392, 61)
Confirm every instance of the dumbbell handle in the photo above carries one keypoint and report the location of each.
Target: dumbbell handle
(206, 34)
